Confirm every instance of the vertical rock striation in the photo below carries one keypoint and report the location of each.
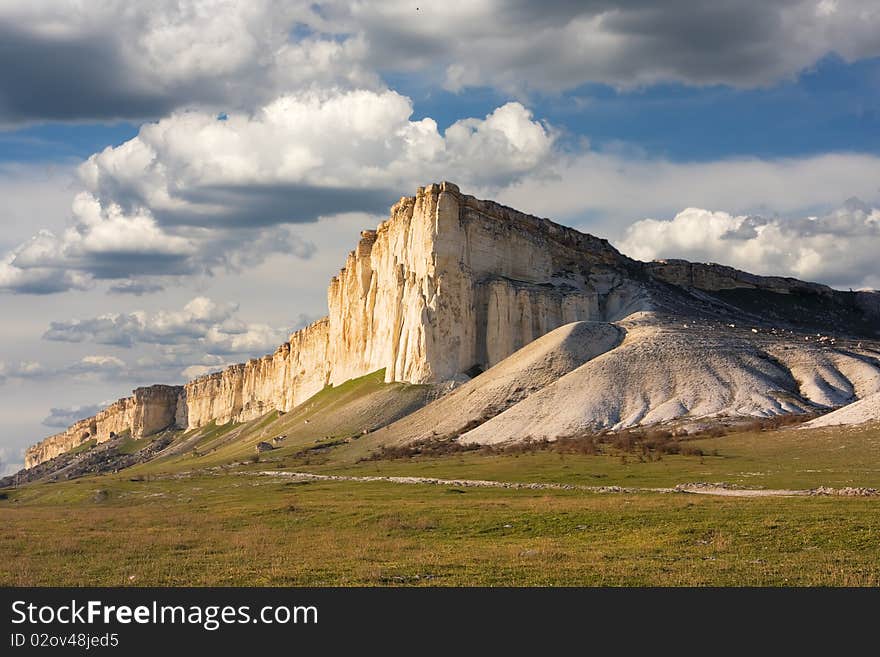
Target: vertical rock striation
(446, 287)
(146, 412)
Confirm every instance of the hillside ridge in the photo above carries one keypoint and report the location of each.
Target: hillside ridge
(448, 287)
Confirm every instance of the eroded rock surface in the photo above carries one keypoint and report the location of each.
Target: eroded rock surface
(450, 286)
(148, 411)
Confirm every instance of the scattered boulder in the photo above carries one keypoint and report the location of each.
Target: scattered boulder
(847, 491)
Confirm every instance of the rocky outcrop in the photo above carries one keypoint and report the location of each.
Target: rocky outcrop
(147, 411)
(296, 371)
(74, 436)
(774, 299)
(450, 284)
(713, 277)
(447, 287)
(153, 409)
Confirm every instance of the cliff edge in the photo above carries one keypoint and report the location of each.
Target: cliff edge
(444, 289)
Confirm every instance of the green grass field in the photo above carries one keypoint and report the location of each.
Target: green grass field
(246, 530)
(790, 459)
(205, 516)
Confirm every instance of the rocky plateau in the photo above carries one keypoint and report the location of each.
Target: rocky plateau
(528, 329)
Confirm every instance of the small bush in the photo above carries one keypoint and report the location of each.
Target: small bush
(430, 447)
(688, 450)
(647, 444)
(320, 447)
(777, 422)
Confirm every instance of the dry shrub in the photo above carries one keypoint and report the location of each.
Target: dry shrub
(645, 443)
(777, 422)
(429, 447)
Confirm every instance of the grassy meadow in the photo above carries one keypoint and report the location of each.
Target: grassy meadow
(205, 516)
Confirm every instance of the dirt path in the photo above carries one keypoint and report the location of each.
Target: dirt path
(700, 488)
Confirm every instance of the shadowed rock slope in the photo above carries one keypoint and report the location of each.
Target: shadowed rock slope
(663, 372)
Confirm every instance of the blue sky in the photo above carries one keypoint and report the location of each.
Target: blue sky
(728, 131)
(61, 142)
(833, 106)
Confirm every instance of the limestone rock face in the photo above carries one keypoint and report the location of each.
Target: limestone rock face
(114, 419)
(146, 412)
(153, 409)
(713, 277)
(448, 286)
(72, 437)
(296, 371)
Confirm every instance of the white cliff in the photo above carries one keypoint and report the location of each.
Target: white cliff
(147, 411)
(447, 287)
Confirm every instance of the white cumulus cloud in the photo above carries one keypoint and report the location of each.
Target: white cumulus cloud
(839, 248)
(195, 192)
(116, 59)
(202, 324)
(301, 145)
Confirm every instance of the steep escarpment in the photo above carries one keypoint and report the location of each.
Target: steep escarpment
(147, 411)
(450, 286)
(446, 287)
(293, 373)
(775, 298)
(450, 283)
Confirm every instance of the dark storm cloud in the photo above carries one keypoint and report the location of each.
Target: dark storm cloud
(556, 46)
(69, 78)
(124, 264)
(221, 247)
(706, 42)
